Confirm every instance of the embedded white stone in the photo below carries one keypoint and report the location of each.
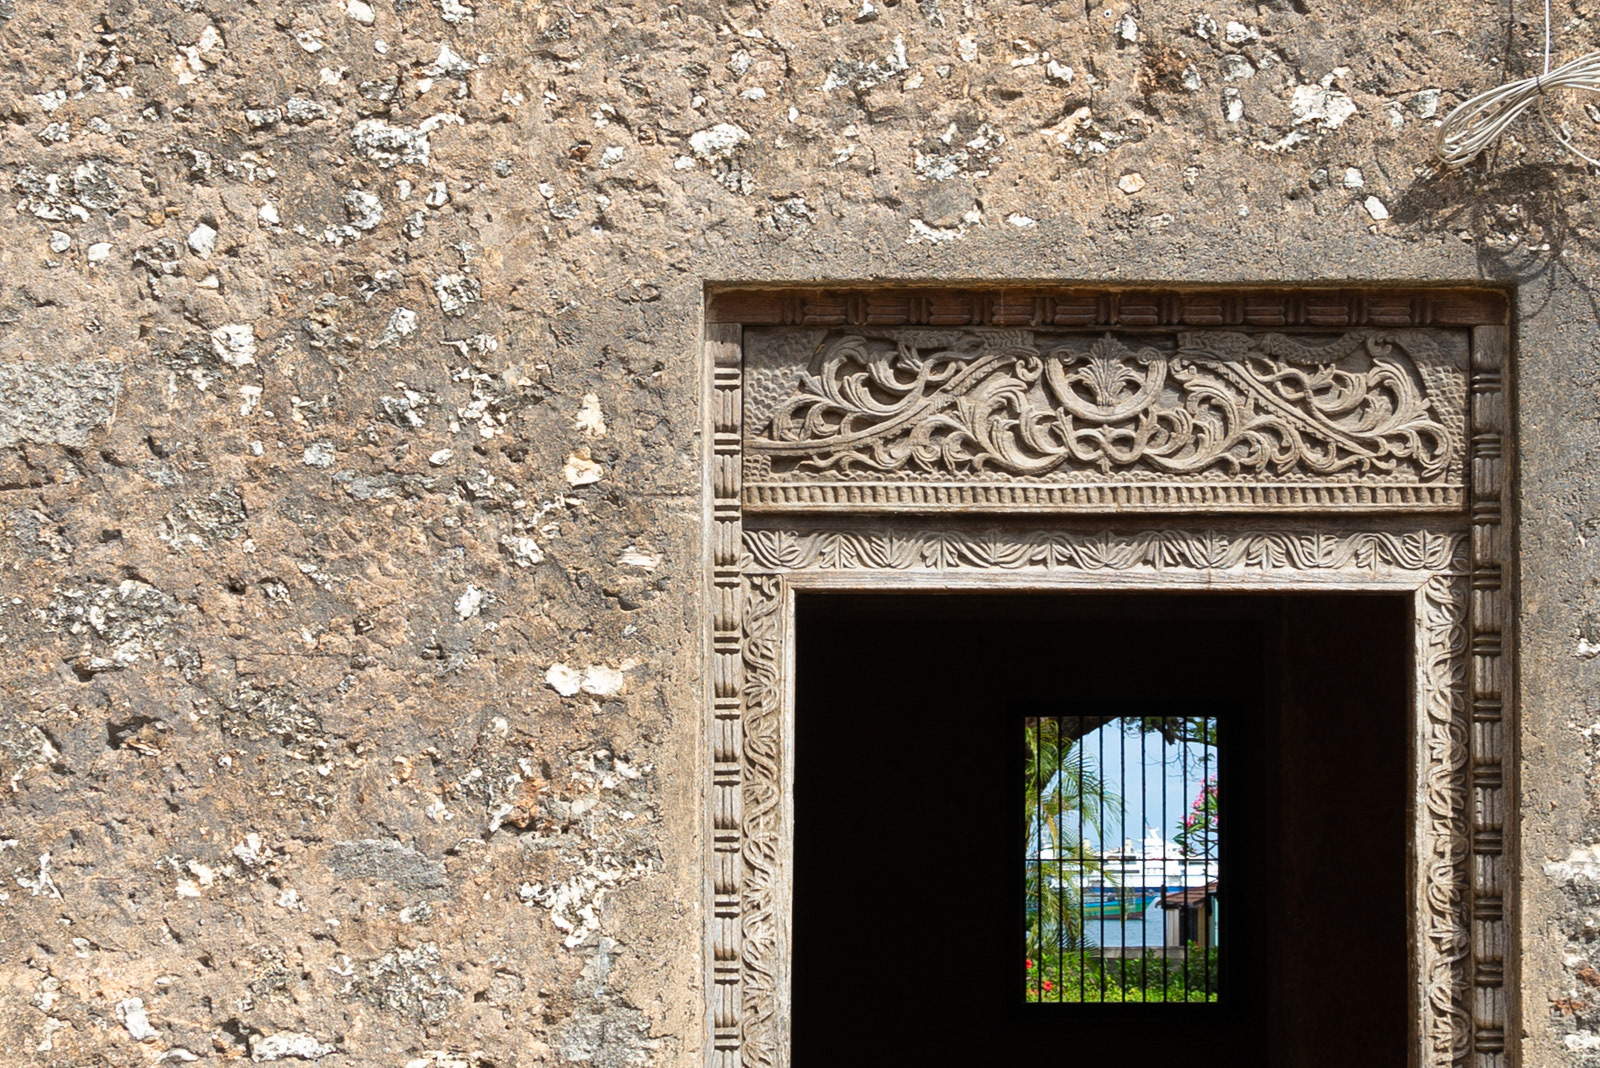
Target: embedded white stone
(563, 680)
(1238, 33)
(581, 471)
(402, 324)
(364, 209)
(1320, 104)
(1232, 105)
(590, 419)
(235, 344)
(202, 241)
(318, 454)
(524, 551)
(131, 1013)
(601, 681)
(469, 603)
(283, 1044)
(718, 142)
(632, 557)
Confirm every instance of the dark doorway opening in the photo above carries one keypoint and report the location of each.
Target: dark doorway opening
(905, 947)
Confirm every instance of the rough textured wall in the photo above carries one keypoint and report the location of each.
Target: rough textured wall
(349, 393)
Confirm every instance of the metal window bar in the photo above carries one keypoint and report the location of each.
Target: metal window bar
(1183, 867)
(1205, 847)
(1086, 878)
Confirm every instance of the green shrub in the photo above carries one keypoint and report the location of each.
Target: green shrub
(1071, 978)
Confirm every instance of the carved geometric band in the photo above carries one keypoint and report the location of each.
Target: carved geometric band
(1014, 496)
(1022, 306)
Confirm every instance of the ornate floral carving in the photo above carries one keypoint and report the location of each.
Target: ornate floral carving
(761, 1045)
(1155, 550)
(1214, 406)
(1446, 841)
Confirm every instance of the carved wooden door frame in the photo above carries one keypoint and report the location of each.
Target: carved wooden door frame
(1451, 559)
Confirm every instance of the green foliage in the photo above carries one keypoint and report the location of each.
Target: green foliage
(1174, 730)
(1064, 797)
(1067, 977)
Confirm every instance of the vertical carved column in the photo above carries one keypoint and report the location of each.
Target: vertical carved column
(1490, 687)
(1446, 950)
(763, 1020)
(725, 352)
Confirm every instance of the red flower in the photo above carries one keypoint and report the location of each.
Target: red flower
(1049, 985)
(1030, 965)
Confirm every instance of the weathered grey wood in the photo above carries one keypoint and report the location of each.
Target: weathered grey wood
(1450, 551)
(986, 420)
(1492, 889)
(720, 430)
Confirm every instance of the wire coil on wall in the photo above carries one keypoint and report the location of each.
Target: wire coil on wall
(1475, 124)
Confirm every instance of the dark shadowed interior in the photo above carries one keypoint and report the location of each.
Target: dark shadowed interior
(906, 928)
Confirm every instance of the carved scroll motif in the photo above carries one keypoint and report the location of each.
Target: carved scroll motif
(1446, 924)
(1369, 418)
(763, 725)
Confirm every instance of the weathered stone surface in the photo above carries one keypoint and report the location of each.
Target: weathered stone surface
(387, 861)
(43, 404)
(223, 661)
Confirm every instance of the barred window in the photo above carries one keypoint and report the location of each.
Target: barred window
(1122, 858)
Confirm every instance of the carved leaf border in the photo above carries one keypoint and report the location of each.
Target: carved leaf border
(1157, 550)
(1438, 562)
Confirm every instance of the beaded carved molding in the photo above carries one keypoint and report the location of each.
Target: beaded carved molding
(917, 409)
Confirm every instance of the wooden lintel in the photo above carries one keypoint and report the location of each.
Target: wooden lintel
(1084, 307)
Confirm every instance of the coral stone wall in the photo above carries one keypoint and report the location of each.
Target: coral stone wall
(351, 645)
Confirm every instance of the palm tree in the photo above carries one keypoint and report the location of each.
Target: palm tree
(1064, 798)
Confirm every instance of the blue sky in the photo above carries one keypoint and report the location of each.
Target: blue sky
(1109, 748)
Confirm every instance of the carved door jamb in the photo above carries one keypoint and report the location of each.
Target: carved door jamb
(1452, 565)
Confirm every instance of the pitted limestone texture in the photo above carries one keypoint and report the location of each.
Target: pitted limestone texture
(57, 404)
(386, 860)
(204, 636)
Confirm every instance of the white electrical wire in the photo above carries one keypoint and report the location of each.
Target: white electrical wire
(1475, 124)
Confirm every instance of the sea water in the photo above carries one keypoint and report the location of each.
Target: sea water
(1145, 930)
